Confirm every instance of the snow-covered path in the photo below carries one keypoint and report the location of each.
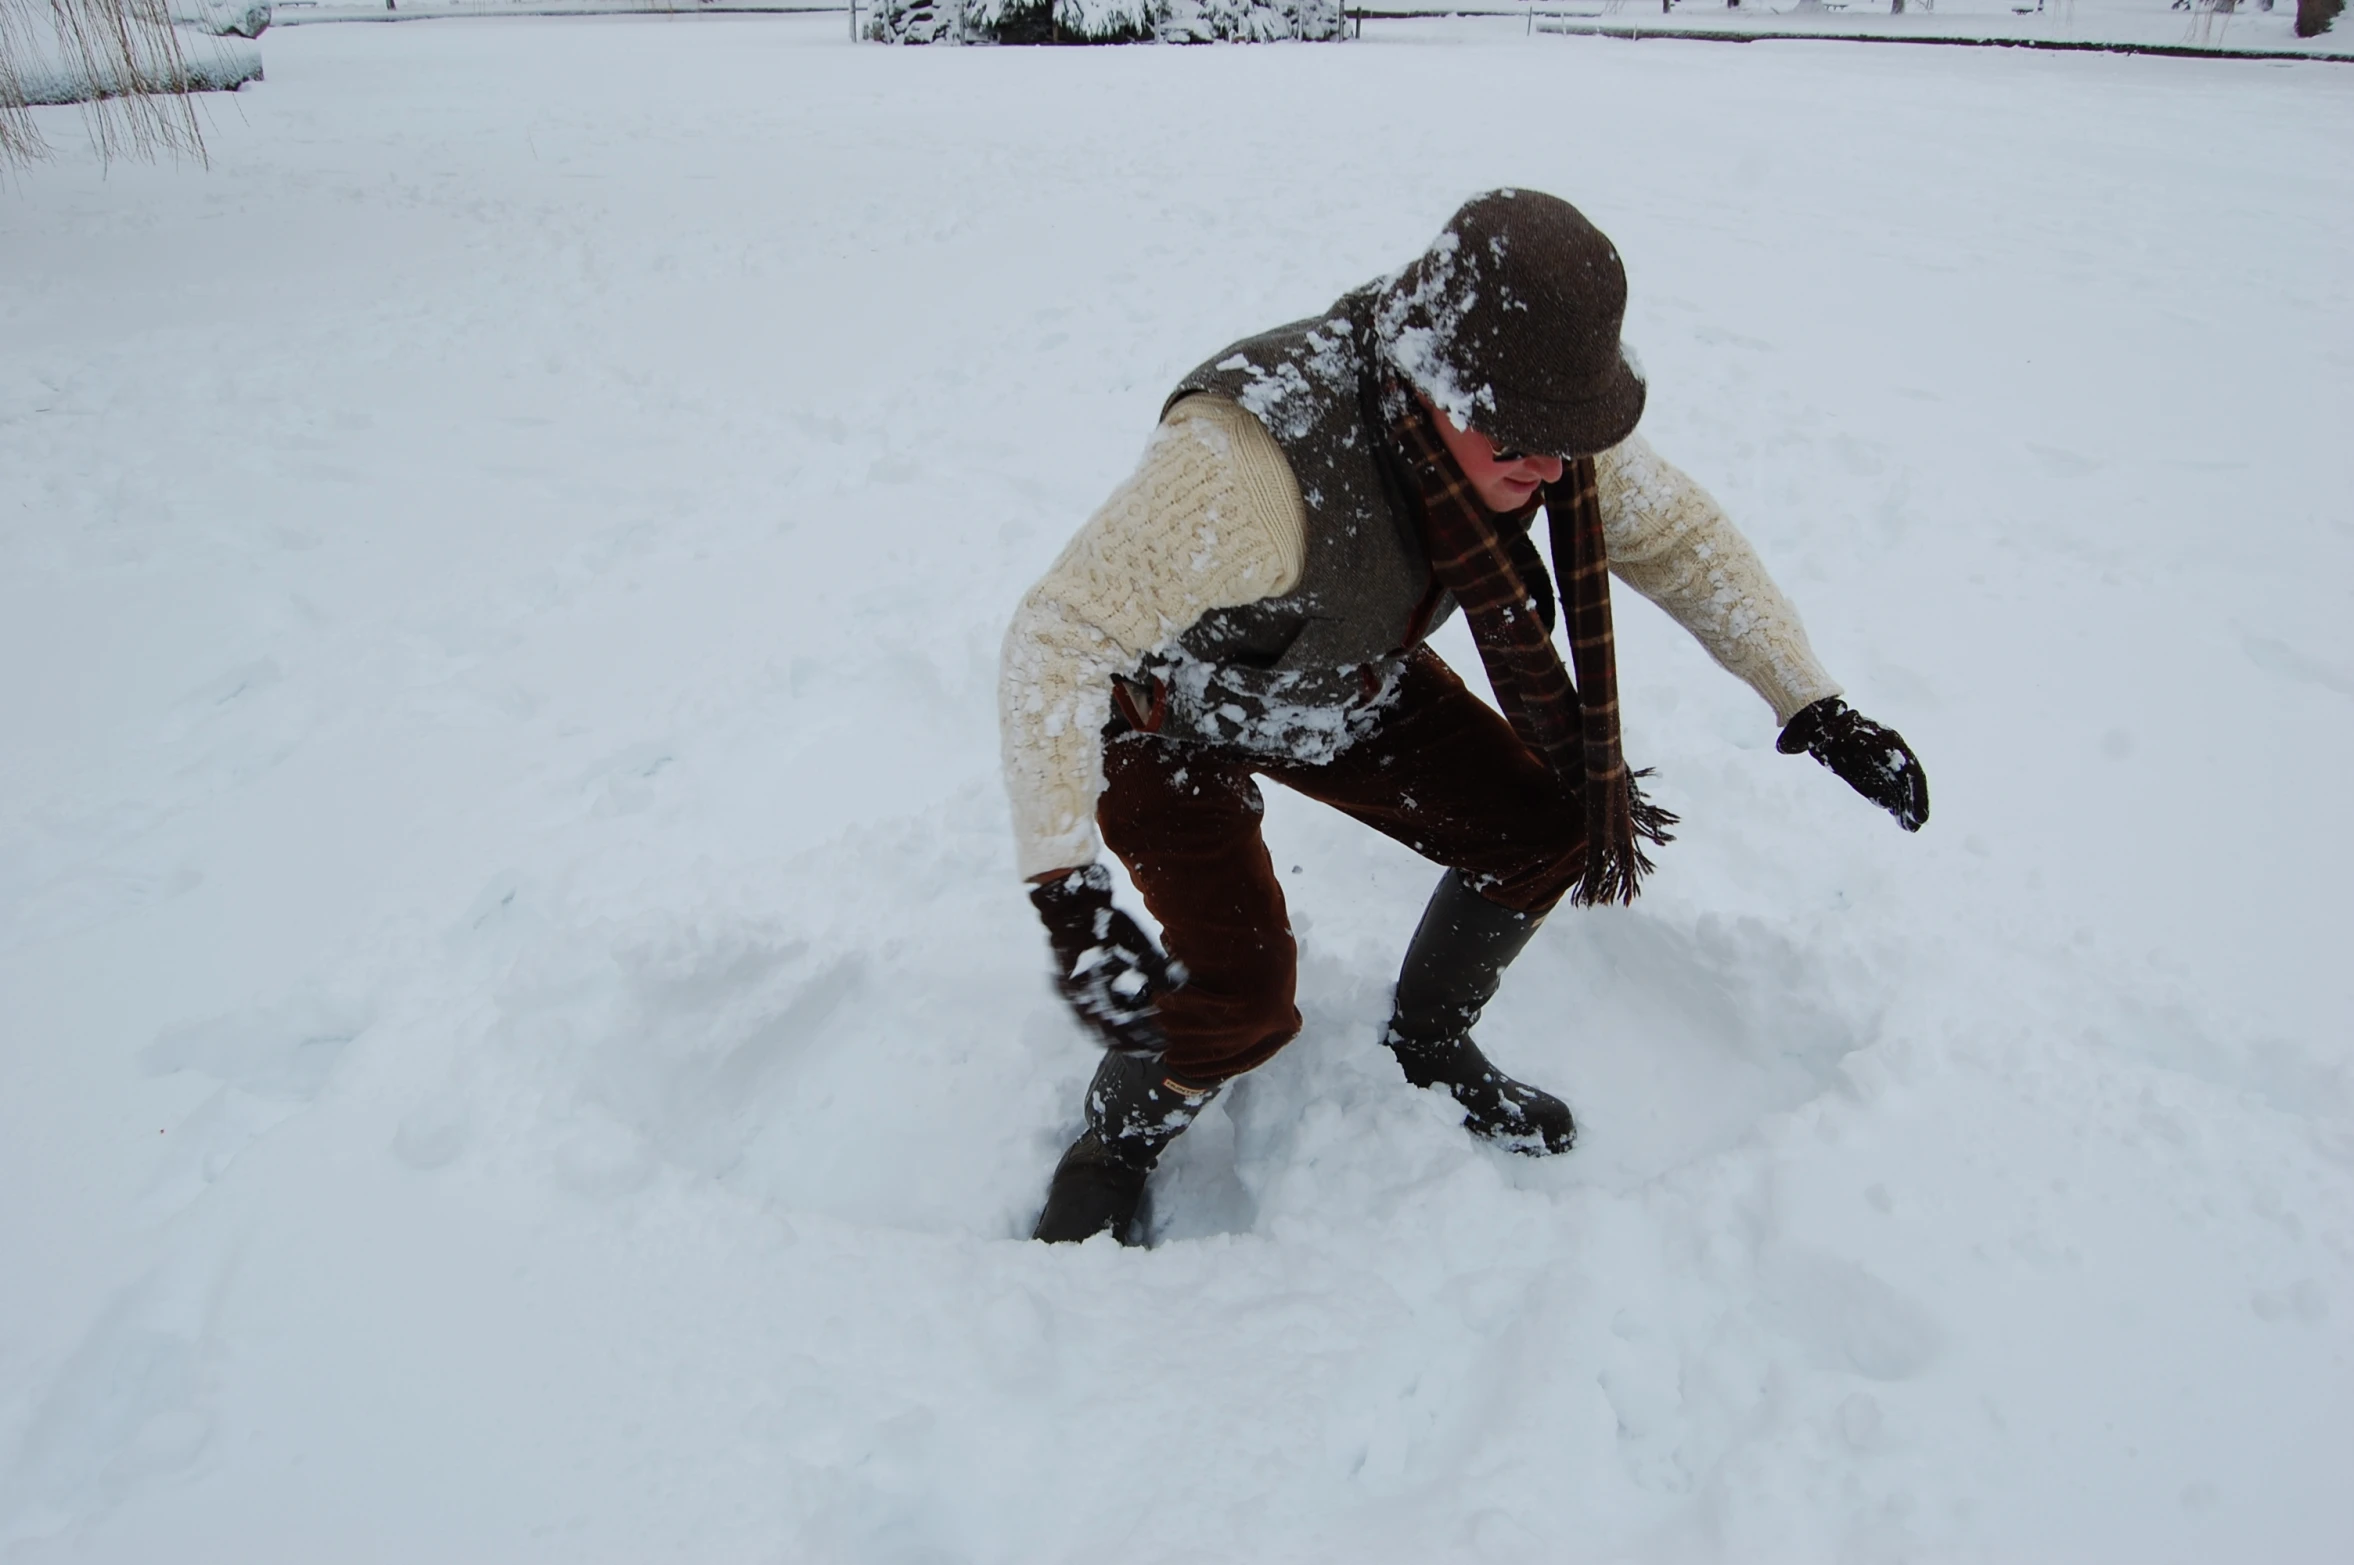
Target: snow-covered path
(518, 1037)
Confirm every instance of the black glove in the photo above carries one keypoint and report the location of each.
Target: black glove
(1106, 966)
(1874, 761)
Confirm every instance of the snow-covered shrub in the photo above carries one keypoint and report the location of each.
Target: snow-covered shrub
(224, 18)
(1103, 21)
(1249, 21)
(1012, 21)
(916, 21)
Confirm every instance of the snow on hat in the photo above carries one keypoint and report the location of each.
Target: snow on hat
(1509, 323)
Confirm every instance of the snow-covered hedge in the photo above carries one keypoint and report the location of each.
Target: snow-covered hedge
(1103, 21)
(42, 64)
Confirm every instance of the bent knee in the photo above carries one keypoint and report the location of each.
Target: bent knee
(1234, 1020)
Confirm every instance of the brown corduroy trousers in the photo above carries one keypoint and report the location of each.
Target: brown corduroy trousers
(1443, 774)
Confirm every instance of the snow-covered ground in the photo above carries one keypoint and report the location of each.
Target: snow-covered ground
(519, 1039)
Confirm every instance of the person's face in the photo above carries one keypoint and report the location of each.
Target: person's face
(1502, 485)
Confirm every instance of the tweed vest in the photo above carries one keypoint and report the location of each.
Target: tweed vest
(1304, 674)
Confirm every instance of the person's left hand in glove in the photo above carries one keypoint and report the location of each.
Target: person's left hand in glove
(1105, 965)
(1874, 761)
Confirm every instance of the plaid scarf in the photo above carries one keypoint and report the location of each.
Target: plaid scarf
(1492, 568)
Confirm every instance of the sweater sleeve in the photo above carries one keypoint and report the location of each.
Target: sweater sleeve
(1671, 542)
(1212, 518)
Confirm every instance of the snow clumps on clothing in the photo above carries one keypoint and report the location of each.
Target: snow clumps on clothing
(1211, 519)
(1413, 322)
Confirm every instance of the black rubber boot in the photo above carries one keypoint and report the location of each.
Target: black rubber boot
(1451, 971)
(1134, 1110)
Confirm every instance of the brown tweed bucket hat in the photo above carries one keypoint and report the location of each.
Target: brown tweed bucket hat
(1509, 324)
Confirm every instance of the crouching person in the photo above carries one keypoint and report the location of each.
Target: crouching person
(1254, 602)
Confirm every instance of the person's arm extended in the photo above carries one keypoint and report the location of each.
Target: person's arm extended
(1211, 519)
(1671, 542)
(1674, 544)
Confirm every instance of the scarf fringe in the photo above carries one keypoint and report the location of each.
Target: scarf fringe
(1619, 820)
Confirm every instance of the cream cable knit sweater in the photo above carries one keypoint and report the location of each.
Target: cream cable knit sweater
(1212, 518)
